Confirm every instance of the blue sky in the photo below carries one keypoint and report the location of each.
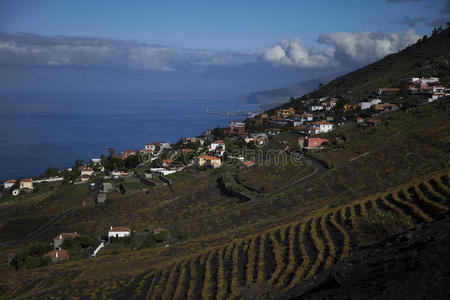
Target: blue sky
(292, 39)
(218, 25)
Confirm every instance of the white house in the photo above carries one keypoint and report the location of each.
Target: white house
(152, 146)
(365, 105)
(323, 126)
(314, 130)
(429, 80)
(117, 174)
(315, 107)
(162, 171)
(26, 183)
(86, 171)
(119, 232)
(436, 96)
(217, 144)
(8, 184)
(369, 104)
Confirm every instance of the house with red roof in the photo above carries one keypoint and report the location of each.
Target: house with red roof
(58, 255)
(127, 153)
(248, 163)
(206, 160)
(26, 184)
(236, 128)
(119, 232)
(167, 163)
(219, 144)
(313, 143)
(9, 183)
(323, 126)
(59, 239)
(86, 171)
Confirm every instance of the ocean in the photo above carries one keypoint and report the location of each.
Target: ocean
(42, 129)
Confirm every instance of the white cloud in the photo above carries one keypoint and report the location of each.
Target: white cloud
(367, 46)
(292, 53)
(61, 51)
(343, 49)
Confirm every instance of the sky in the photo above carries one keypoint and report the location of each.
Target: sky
(200, 46)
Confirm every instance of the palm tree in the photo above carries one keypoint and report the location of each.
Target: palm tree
(111, 152)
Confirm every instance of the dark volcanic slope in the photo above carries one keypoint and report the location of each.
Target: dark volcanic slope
(413, 265)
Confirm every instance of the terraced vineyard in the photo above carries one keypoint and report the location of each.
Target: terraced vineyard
(285, 256)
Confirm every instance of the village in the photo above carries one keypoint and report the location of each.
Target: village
(310, 121)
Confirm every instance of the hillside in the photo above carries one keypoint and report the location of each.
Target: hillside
(278, 228)
(429, 56)
(282, 95)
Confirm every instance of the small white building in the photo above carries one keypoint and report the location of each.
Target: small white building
(163, 171)
(323, 126)
(315, 107)
(436, 96)
(217, 144)
(152, 146)
(26, 184)
(86, 171)
(369, 104)
(117, 174)
(8, 184)
(119, 232)
(429, 80)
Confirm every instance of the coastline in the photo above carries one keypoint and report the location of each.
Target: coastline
(38, 136)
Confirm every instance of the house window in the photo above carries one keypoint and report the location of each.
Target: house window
(117, 235)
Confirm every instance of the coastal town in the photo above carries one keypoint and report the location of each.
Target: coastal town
(310, 121)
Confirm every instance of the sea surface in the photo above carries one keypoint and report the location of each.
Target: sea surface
(41, 129)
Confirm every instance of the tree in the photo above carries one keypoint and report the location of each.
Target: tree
(78, 163)
(50, 172)
(111, 152)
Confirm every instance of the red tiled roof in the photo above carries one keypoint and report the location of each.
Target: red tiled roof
(315, 142)
(27, 180)
(208, 157)
(62, 254)
(118, 228)
(158, 230)
(11, 181)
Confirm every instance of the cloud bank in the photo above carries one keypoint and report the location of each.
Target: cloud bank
(367, 46)
(341, 49)
(344, 48)
(60, 51)
(292, 53)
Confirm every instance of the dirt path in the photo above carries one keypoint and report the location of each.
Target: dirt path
(319, 171)
(38, 231)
